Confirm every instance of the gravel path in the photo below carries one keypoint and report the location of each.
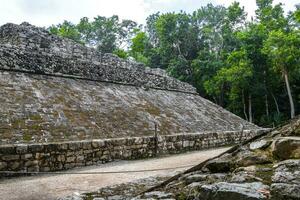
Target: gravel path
(54, 186)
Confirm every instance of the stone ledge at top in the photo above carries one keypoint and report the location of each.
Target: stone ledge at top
(27, 48)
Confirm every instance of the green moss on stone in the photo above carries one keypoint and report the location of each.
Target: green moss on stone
(27, 137)
(265, 172)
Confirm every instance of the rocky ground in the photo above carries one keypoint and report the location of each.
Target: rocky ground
(121, 191)
(266, 167)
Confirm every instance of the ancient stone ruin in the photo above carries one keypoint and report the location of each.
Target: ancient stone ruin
(54, 91)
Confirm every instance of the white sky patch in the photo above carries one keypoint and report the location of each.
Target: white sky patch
(48, 12)
(175, 5)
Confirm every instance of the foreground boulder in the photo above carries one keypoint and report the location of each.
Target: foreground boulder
(233, 191)
(261, 144)
(287, 148)
(285, 191)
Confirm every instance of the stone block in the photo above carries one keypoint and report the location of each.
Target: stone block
(87, 151)
(99, 154)
(70, 153)
(45, 169)
(8, 149)
(33, 169)
(10, 157)
(21, 149)
(89, 163)
(42, 155)
(61, 158)
(75, 146)
(186, 144)
(26, 156)
(14, 165)
(71, 159)
(86, 145)
(95, 144)
(3, 166)
(59, 166)
(31, 163)
(62, 147)
(69, 165)
(79, 164)
(104, 157)
(51, 148)
(34, 148)
(119, 142)
(138, 140)
(79, 159)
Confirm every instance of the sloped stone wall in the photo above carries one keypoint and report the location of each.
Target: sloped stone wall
(67, 155)
(40, 108)
(27, 48)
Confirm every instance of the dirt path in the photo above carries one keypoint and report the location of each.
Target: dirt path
(54, 186)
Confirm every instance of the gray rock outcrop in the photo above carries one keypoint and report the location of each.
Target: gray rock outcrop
(223, 190)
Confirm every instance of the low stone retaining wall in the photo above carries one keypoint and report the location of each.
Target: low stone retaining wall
(66, 155)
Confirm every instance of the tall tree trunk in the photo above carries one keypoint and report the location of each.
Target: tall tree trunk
(244, 105)
(250, 108)
(276, 104)
(267, 105)
(215, 100)
(221, 99)
(266, 96)
(286, 79)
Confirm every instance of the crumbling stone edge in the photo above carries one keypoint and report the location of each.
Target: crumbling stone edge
(29, 49)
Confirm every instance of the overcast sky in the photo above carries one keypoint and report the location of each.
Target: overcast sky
(48, 12)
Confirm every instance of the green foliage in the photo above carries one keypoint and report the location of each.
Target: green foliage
(139, 57)
(240, 69)
(297, 13)
(66, 29)
(283, 50)
(236, 76)
(139, 42)
(121, 53)
(106, 34)
(177, 38)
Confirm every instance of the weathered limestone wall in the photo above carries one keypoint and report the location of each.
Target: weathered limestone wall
(66, 155)
(40, 108)
(30, 49)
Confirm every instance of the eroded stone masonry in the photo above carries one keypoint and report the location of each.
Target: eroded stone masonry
(67, 155)
(30, 49)
(65, 105)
